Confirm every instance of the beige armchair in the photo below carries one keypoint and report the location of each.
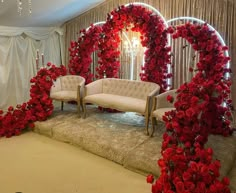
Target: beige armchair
(160, 106)
(68, 88)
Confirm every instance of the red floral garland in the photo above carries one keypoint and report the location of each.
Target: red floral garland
(81, 50)
(153, 38)
(186, 166)
(38, 108)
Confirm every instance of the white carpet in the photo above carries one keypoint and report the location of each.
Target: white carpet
(32, 163)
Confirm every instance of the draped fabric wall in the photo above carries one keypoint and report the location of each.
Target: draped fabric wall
(220, 14)
(18, 59)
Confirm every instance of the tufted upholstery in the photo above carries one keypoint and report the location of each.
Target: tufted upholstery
(160, 106)
(123, 87)
(121, 94)
(70, 82)
(68, 88)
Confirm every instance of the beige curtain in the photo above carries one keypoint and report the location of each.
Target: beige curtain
(220, 14)
(18, 47)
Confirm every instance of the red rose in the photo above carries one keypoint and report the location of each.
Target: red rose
(150, 179)
(194, 100)
(180, 114)
(180, 187)
(226, 181)
(228, 114)
(170, 98)
(170, 30)
(187, 176)
(225, 48)
(10, 108)
(190, 112)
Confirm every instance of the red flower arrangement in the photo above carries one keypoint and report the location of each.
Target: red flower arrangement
(38, 108)
(81, 50)
(107, 40)
(186, 166)
(40, 103)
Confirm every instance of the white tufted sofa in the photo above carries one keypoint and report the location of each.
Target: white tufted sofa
(68, 88)
(121, 94)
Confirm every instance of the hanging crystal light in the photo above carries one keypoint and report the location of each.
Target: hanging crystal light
(30, 6)
(20, 8)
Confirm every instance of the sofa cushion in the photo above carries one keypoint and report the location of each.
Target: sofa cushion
(64, 95)
(160, 112)
(122, 103)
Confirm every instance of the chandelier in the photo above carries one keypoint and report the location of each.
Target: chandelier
(132, 47)
(19, 4)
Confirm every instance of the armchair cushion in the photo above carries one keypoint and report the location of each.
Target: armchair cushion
(64, 95)
(158, 113)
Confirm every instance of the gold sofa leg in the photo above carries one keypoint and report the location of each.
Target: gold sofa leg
(154, 124)
(62, 104)
(84, 110)
(78, 108)
(81, 105)
(147, 125)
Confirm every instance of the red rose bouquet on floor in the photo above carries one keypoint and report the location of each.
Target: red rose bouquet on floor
(38, 108)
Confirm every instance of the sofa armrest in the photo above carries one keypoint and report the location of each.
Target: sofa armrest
(154, 92)
(161, 100)
(93, 88)
(149, 99)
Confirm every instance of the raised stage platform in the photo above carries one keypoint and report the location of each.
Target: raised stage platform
(120, 137)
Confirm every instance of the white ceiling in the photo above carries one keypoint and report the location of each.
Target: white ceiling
(45, 13)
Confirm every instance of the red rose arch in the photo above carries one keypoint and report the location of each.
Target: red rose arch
(138, 19)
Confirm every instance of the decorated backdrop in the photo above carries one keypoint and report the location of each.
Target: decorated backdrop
(202, 105)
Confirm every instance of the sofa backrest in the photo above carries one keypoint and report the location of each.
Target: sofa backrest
(130, 88)
(70, 82)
